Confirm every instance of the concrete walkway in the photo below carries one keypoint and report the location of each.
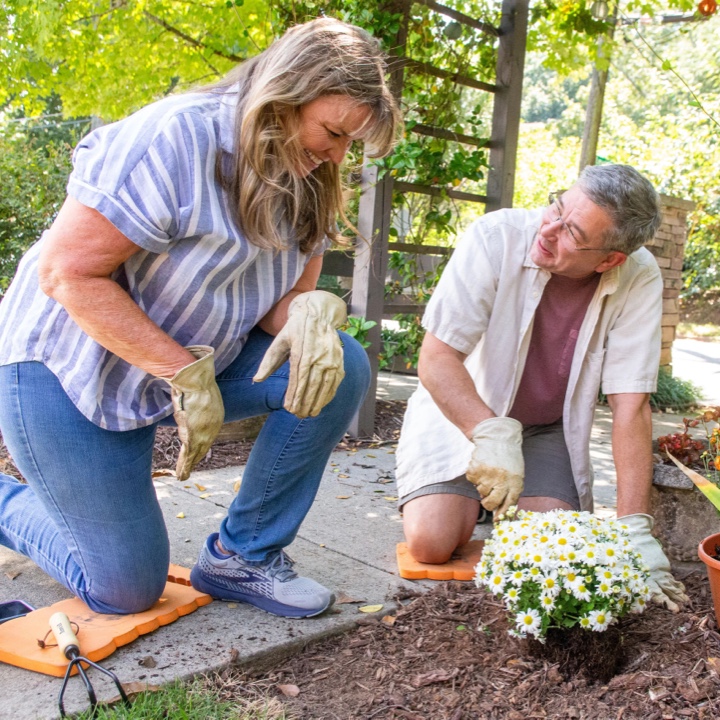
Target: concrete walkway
(347, 543)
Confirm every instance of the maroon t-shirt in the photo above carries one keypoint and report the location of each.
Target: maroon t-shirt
(558, 318)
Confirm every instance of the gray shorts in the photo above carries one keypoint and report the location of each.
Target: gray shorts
(547, 470)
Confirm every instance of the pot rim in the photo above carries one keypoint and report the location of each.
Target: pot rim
(704, 555)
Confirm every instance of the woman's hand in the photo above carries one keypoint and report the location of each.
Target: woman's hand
(310, 340)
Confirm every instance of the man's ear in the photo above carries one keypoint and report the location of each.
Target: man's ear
(615, 258)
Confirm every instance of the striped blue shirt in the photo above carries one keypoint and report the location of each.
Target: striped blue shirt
(196, 276)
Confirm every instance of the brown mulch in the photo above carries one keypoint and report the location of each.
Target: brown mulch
(446, 655)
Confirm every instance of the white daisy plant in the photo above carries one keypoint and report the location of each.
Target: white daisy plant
(566, 569)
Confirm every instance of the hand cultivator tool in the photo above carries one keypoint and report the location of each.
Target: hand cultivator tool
(68, 644)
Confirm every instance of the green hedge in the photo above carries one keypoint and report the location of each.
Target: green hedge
(34, 176)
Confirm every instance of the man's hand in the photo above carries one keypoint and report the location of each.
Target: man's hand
(198, 408)
(497, 467)
(665, 589)
(310, 340)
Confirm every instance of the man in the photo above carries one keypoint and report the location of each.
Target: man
(535, 312)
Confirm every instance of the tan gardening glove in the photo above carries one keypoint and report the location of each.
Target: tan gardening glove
(497, 467)
(197, 408)
(310, 340)
(664, 588)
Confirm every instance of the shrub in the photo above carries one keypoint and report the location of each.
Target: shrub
(673, 393)
(34, 181)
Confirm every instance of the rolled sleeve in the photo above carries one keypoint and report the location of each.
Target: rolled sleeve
(459, 310)
(142, 175)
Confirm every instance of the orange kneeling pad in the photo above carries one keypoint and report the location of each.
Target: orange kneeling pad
(461, 565)
(99, 634)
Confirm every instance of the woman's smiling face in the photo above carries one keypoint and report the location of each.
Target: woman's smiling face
(327, 127)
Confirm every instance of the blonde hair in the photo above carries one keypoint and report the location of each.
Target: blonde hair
(269, 201)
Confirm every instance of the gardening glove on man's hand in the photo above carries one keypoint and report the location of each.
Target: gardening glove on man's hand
(310, 340)
(664, 588)
(497, 467)
(198, 408)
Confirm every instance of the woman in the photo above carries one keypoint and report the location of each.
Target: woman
(179, 272)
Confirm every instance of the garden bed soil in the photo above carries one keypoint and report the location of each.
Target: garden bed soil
(446, 655)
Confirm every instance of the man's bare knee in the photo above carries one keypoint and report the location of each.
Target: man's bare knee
(435, 525)
(432, 550)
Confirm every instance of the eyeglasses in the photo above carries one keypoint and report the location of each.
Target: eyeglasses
(556, 208)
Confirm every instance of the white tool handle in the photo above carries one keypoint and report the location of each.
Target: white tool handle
(66, 639)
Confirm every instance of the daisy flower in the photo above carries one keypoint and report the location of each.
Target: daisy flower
(528, 621)
(599, 619)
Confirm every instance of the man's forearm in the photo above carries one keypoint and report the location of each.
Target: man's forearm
(632, 451)
(442, 372)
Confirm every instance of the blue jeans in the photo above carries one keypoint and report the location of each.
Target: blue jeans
(89, 516)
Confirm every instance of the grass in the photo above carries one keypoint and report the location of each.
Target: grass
(199, 699)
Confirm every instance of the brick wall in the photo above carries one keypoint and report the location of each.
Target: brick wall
(668, 247)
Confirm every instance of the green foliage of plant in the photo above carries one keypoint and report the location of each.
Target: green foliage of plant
(416, 284)
(674, 394)
(108, 59)
(402, 343)
(34, 173)
(662, 114)
(358, 328)
(183, 701)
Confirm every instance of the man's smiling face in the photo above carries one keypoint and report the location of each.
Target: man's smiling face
(569, 241)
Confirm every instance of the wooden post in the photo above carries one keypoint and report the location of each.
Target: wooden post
(371, 251)
(506, 108)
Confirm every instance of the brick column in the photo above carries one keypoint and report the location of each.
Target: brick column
(668, 247)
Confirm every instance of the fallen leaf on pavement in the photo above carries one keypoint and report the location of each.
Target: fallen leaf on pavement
(163, 472)
(343, 598)
(370, 608)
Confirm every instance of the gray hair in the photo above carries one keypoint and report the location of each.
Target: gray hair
(630, 200)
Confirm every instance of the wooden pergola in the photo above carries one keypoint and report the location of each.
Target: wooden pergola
(369, 263)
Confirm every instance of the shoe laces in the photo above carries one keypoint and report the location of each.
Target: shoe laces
(281, 568)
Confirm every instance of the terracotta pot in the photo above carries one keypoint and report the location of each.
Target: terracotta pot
(706, 550)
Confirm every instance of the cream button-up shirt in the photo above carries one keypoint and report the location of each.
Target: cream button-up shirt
(484, 307)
